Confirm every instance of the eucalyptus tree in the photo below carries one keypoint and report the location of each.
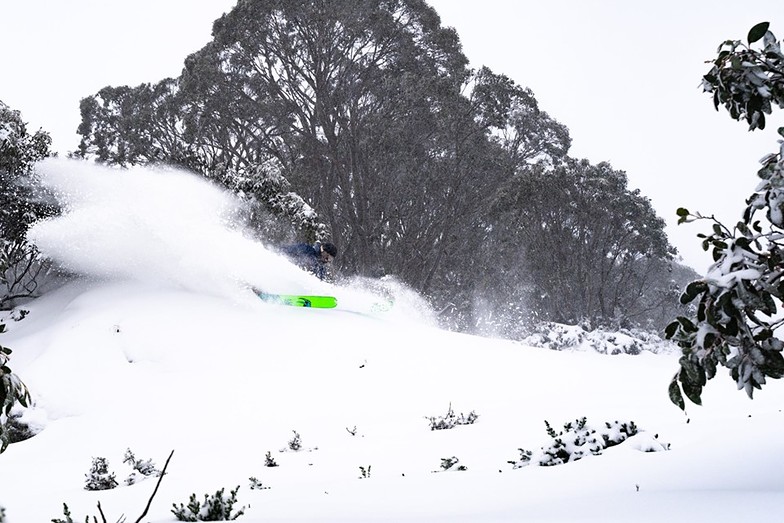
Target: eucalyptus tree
(344, 94)
(365, 109)
(589, 246)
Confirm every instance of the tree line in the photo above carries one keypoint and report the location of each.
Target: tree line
(362, 123)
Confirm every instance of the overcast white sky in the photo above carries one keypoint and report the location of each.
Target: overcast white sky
(623, 76)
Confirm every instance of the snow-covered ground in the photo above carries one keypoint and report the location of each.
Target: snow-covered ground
(160, 345)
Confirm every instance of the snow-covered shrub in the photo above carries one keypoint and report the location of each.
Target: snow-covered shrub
(19, 430)
(364, 472)
(451, 420)
(576, 441)
(557, 336)
(255, 484)
(449, 464)
(295, 443)
(144, 468)
(269, 461)
(213, 508)
(66, 513)
(2, 515)
(99, 477)
(12, 391)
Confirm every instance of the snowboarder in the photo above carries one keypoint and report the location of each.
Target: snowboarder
(313, 258)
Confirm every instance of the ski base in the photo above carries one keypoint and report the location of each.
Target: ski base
(297, 300)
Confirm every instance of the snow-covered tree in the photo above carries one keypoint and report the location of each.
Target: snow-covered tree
(19, 151)
(588, 246)
(738, 316)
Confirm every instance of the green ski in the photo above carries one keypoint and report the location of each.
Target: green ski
(296, 300)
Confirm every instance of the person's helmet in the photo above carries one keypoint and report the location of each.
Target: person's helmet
(330, 249)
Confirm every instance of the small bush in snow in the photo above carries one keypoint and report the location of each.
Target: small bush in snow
(100, 471)
(576, 441)
(12, 392)
(450, 420)
(99, 477)
(269, 461)
(67, 514)
(364, 473)
(295, 443)
(213, 508)
(556, 336)
(2, 515)
(255, 484)
(144, 468)
(449, 464)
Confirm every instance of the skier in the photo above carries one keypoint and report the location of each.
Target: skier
(313, 258)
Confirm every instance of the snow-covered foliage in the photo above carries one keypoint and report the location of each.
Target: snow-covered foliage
(452, 420)
(271, 198)
(450, 464)
(269, 461)
(20, 205)
(577, 440)
(739, 299)
(100, 477)
(12, 393)
(557, 336)
(141, 468)
(213, 508)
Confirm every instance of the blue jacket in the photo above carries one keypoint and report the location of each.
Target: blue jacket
(307, 257)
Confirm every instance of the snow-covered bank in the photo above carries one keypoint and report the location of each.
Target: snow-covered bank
(223, 382)
(146, 356)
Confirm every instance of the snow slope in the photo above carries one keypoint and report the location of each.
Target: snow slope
(159, 344)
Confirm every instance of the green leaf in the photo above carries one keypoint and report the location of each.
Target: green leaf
(693, 290)
(710, 368)
(691, 389)
(758, 31)
(675, 394)
(774, 364)
(688, 326)
(671, 329)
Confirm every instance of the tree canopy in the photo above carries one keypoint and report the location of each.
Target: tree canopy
(362, 122)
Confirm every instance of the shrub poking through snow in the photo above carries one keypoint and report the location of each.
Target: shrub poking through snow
(213, 508)
(100, 466)
(449, 464)
(451, 420)
(144, 468)
(255, 484)
(12, 391)
(99, 477)
(583, 338)
(2, 515)
(575, 441)
(295, 443)
(67, 514)
(364, 472)
(269, 461)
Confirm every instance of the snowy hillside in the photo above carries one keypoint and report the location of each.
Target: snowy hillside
(159, 344)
